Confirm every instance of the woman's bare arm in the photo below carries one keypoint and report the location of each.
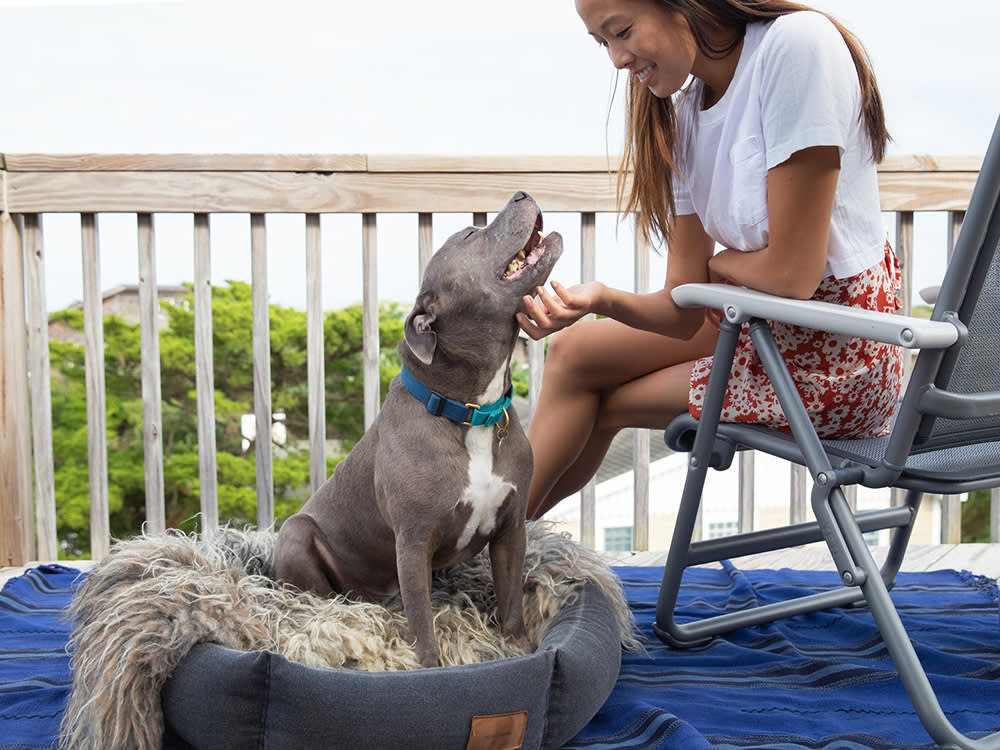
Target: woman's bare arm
(800, 193)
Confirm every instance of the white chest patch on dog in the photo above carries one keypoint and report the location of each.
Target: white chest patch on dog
(486, 490)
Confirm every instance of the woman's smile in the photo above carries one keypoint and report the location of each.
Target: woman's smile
(646, 37)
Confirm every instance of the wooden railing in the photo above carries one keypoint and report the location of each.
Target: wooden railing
(367, 185)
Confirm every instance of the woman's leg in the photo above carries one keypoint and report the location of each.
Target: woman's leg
(650, 401)
(601, 376)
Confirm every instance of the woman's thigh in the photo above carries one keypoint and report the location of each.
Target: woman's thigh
(651, 400)
(603, 354)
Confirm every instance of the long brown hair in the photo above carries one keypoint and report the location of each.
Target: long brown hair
(651, 124)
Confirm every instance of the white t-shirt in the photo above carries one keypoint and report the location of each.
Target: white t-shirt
(795, 86)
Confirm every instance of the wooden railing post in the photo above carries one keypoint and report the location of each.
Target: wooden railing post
(16, 524)
(152, 392)
(204, 357)
(97, 416)
(745, 481)
(261, 371)
(40, 383)
(316, 365)
(798, 491)
(371, 355)
(904, 251)
(588, 272)
(640, 438)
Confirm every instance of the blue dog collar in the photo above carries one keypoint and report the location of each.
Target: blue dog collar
(473, 415)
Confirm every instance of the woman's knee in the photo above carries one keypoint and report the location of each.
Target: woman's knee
(611, 417)
(570, 351)
(615, 414)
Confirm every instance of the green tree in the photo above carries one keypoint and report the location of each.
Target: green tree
(976, 517)
(233, 371)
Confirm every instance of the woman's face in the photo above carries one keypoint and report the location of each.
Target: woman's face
(646, 37)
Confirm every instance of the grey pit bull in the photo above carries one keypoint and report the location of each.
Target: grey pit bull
(444, 470)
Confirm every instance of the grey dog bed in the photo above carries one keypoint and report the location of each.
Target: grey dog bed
(219, 698)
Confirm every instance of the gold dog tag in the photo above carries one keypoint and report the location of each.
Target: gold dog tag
(498, 732)
(502, 427)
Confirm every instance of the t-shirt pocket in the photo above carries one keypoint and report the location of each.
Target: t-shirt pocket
(749, 181)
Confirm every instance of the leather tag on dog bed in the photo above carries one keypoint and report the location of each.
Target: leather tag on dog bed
(498, 732)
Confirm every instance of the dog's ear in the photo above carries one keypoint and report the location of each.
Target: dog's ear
(419, 334)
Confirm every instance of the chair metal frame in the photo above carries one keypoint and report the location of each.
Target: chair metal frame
(907, 458)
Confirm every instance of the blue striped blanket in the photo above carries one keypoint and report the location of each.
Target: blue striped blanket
(816, 681)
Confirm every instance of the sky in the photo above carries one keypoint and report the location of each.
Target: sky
(397, 76)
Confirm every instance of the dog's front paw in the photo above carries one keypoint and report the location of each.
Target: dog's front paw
(428, 654)
(518, 638)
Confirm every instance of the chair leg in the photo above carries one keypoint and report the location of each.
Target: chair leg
(687, 515)
(899, 540)
(665, 627)
(911, 672)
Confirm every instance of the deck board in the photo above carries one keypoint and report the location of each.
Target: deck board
(983, 559)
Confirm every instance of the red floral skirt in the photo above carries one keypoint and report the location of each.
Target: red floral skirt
(849, 386)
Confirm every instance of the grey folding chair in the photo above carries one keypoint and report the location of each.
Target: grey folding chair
(945, 438)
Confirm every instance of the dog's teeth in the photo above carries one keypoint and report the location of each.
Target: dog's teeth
(542, 236)
(519, 262)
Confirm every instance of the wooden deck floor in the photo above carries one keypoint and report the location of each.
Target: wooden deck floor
(983, 559)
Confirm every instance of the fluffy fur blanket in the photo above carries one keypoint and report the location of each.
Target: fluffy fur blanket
(154, 597)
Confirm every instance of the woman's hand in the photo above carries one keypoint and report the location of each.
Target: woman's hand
(556, 309)
(713, 314)
(714, 317)
(715, 276)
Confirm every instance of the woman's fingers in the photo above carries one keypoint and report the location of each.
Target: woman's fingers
(543, 315)
(714, 317)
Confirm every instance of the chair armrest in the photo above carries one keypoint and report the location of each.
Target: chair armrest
(740, 304)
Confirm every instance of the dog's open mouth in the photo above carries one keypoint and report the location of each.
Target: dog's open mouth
(528, 255)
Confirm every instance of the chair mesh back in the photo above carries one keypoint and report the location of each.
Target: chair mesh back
(976, 366)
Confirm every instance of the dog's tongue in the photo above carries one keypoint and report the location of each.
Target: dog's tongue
(521, 260)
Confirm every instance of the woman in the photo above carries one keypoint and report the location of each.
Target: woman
(769, 151)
